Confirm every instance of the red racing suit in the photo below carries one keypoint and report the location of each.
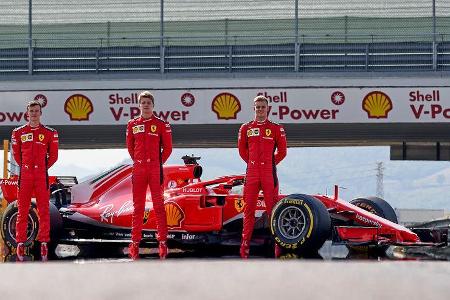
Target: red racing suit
(149, 142)
(257, 144)
(35, 149)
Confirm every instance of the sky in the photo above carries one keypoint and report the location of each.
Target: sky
(310, 170)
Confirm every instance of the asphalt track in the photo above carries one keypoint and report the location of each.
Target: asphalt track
(225, 279)
(404, 272)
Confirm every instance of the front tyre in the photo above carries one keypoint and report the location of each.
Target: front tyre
(377, 206)
(300, 223)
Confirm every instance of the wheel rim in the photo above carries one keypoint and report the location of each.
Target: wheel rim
(292, 222)
(31, 227)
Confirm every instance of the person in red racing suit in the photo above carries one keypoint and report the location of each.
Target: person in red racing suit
(257, 143)
(149, 142)
(35, 149)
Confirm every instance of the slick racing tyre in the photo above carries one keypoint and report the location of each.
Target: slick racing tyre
(377, 206)
(8, 229)
(300, 224)
(8, 226)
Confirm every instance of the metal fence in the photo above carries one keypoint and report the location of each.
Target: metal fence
(42, 36)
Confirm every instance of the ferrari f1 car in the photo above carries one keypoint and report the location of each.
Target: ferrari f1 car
(201, 213)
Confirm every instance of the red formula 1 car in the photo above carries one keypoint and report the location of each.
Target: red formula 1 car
(201, 213)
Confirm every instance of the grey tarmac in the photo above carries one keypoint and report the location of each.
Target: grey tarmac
(226, 279)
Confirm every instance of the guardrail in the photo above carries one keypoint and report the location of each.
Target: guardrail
(276, 54)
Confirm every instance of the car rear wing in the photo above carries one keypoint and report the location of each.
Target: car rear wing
(9, 185)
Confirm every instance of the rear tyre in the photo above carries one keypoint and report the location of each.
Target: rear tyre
(56, 223)
(376, 206)
(300, 224)
(8, 229)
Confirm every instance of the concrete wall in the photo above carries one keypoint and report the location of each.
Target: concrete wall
(150, 81)
(409, 216)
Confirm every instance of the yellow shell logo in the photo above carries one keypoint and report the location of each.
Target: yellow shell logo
(174, 214)
(268, 132)
(78, 107)
(41, 137)
(377, 105)
(239, 204)
(153, 128)
(226, 106)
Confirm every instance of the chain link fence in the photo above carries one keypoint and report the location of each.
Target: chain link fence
(69, 23)
(175, 32)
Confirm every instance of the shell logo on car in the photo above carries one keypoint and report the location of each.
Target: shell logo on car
(78, 107)
(175, 214)
(226, 106)
(377, 105)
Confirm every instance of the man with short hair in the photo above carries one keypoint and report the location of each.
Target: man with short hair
(149, 142)
(262, 145)
(35, 149)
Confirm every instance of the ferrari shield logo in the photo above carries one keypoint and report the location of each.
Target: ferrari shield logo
(41, 137)
(268, 132)
(146, 215)
(239, 204)
(153, 128)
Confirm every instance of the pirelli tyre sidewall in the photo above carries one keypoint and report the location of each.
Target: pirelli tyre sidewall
(8, 229)
(300, 223)
(377, 206)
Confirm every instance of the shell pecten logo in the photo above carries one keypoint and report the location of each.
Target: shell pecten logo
(377, 105)
(174, 214)
(226, 106)
(78, 107)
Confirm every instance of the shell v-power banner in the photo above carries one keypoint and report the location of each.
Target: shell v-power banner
(221, 106)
